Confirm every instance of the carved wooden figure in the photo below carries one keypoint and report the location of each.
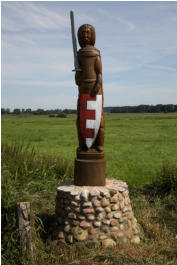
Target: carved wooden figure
(90, 119)
(90, 161)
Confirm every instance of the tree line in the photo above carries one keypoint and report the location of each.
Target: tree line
(145, 109)
(18, 111)
(125, 109)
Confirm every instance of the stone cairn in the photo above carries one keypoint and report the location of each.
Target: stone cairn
(96, 213)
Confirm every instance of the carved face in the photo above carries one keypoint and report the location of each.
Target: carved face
(86, 35)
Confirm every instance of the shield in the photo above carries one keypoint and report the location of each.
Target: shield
(90, 117)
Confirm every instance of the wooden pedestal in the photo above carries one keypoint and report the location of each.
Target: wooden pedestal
(89, 168)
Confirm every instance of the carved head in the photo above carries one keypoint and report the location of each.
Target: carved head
(86, 35)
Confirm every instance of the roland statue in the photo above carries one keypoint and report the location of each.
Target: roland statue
(89, 81)
(90, 161)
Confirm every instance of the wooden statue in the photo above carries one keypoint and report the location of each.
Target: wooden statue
(90, 161)
(89, 81)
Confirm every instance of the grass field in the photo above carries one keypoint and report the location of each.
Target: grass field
(136, 145)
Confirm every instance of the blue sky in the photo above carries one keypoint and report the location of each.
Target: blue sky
(137, 40)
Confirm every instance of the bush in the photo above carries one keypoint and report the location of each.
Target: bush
(62, 115)
(166, 180)
(51, 116)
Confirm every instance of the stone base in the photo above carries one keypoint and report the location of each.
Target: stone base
(95, 213)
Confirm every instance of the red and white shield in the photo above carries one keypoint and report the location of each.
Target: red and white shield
(90, 117)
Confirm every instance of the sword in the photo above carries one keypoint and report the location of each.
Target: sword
(76, 63)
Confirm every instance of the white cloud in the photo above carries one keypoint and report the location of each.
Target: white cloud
(31, 15)
(40, 83)
(137, 43)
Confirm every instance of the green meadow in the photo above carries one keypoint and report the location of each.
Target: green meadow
(136, 145)
(38, 153)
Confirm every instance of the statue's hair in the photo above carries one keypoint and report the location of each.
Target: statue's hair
(93, 35)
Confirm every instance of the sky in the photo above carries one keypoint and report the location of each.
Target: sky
(137, 41)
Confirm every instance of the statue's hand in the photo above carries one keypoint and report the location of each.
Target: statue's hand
(77, 78)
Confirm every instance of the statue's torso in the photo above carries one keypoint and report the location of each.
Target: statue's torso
(87, 57)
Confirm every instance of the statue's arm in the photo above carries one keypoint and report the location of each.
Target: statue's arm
(98, 69)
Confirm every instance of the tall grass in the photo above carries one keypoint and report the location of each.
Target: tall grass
(29, 177)
(25, 176)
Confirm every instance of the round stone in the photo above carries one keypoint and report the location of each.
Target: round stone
(109, 215)
(75, 192)
(107, 243)
(104, 228)
(61, 235)
(72, 215)
(100, 216)
(114, 229)
(128, 234)
(96, 203)
(127, 201)
(80, 234)
(135, 240)
(106, 222)
(75, 223)
(121, 189)
(107, 209)
(84, 195)
(88, 210)
(104, 202)
(101, 237)
(123, 219)
(121, 205)
(77, 209)
(87, 204)
(105, 194)
(91, 217)
(99, 209)
(94, 193)
(84, 224)
(93, 231)
(115, 207)
(114, 199)
(121, 227)
(77, 198)
(97, 223)
(120, 197)
(114, 222)
(125, 209)
(117, 215)
(125, 193)
(129, 223)
(113, 192)
(73, 203)
(81, 217)
(67, 228)
(135, 230)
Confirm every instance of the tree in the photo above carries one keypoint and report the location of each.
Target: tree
(7, 111)
(28, 110)
(3, 111)
(17, 111)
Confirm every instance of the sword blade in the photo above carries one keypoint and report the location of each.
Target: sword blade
(76, 63)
